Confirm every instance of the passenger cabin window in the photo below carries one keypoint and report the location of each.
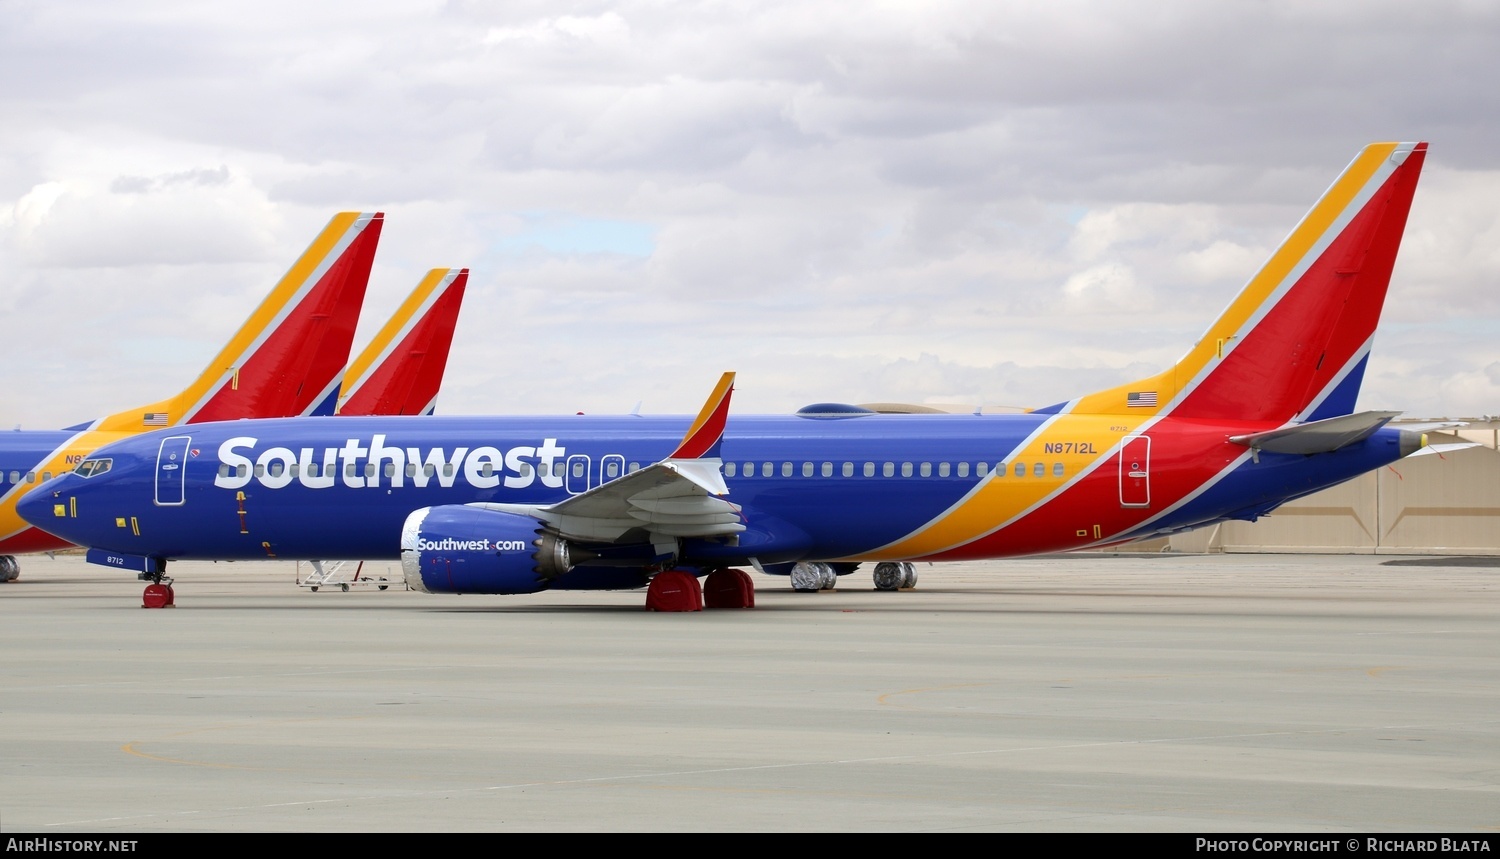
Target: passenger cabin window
(1020, 469)
(869, 469)
(1040, 470)
(827, 469)
(963, 469)
(981, 469)
(848, 469)
(807, 469)
(730, 469)
(1057, 469)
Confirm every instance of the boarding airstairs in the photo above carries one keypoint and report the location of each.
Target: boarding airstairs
(344, 575)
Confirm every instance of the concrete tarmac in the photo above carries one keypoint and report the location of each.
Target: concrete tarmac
(1089, 693)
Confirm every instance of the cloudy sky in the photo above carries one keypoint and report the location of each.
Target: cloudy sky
(995, 203)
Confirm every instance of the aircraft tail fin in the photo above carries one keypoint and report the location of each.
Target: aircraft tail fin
(1292, 346)
(401, 371)
(289, 354)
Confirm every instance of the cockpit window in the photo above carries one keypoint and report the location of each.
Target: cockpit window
(93, 467)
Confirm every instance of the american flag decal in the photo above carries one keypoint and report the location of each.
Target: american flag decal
(156, 419)
(1141, 399)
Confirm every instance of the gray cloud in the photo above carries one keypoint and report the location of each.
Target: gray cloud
(1009, 202)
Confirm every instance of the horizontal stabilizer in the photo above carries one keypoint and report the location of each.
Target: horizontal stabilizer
(1322, 436)
(1441, 449)
(1433, 426)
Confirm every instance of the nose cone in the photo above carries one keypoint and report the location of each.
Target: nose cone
(36, 506)
(52, 509)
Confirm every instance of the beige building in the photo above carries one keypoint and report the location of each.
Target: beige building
(1434, 504)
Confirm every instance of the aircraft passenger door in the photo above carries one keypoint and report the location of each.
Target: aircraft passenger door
(1135, 471)
(171, 470)
(578, 474)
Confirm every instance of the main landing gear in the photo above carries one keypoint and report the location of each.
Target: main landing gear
(679, 590)
(812, 576)
(892, 576)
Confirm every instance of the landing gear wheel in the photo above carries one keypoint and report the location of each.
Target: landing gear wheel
(807, 577)
(344, 587)
(674, 590)
(908, 574)
(10, 568)
(314, 589)
(889, 576)
(830, 576)
(728, 589)
(158, 595)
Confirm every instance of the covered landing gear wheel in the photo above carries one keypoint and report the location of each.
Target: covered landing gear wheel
(674, 590)
(158, 595)
(812, 576)
(728, 589)
(891, 576)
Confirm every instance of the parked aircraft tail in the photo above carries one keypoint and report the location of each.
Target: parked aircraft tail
(401, 370)
(289, 354)
(1292, 346)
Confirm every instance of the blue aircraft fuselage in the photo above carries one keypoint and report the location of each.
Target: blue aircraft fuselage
(866, 487)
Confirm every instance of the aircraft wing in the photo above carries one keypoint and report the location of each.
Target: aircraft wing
(671, 498)
(680, 496)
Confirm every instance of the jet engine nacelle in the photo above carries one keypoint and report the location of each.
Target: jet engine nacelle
(455, 549)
